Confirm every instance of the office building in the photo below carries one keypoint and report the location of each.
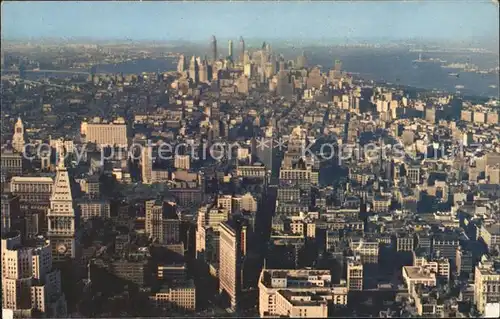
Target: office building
(493, 173)
(181, 65)
(194, 70)
(314, 79)
(404, 242)
(413, 173)
(246, 202)
(176, 295)
(61, 217)
(490, 235)
(134, 269)
(242, 51)
(147, 164)
(486, 284)
(492, 118)
(182, 162)
(162, 222)
(12, 218)
(233, 242)
(93, 209)
(466, 115)
(413, 275)
(11, 163)
(30, 285)
(105, 134)
(213, 46)
(225, 202)
(354, 273)
(203, 71)
(33, 192)
(445, 245)
(464, 262)
(298, 293)
(207, 233)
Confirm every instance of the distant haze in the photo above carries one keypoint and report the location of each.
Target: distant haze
(309, 22)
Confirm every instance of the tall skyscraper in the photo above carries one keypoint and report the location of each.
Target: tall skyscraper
(61, 217)
(203, 71)
(18, 137)
(213, 44)
(242, 50)
(147, 164)
(181, 65)
(30, 285)
(230, 49)
(232, 250)
(194, 70)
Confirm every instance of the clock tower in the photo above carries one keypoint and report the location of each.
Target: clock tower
(18, 137)
(61, 217)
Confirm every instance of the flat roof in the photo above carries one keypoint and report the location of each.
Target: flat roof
(416, 272)
(32, 179)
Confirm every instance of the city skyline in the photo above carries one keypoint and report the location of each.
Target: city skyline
(196, 22)
(291, 159)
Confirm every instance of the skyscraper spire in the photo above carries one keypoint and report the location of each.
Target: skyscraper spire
(214, 48)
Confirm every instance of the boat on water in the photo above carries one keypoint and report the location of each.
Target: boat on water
(454, 74)
(459, 87)
(493, 86)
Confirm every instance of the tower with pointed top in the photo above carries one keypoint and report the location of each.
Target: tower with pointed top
(242, 51)
(18, 137)
(213, 44)
(61, 217)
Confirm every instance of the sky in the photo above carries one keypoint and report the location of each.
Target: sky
(197, 21)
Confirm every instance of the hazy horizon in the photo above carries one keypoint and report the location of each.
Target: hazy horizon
(308, 22)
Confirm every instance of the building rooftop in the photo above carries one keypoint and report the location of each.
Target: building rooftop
(303, 298)
(416, 272)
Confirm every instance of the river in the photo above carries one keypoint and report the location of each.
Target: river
(394, 66)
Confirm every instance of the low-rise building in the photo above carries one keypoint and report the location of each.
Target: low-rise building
(413, 275)
(298, 293)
